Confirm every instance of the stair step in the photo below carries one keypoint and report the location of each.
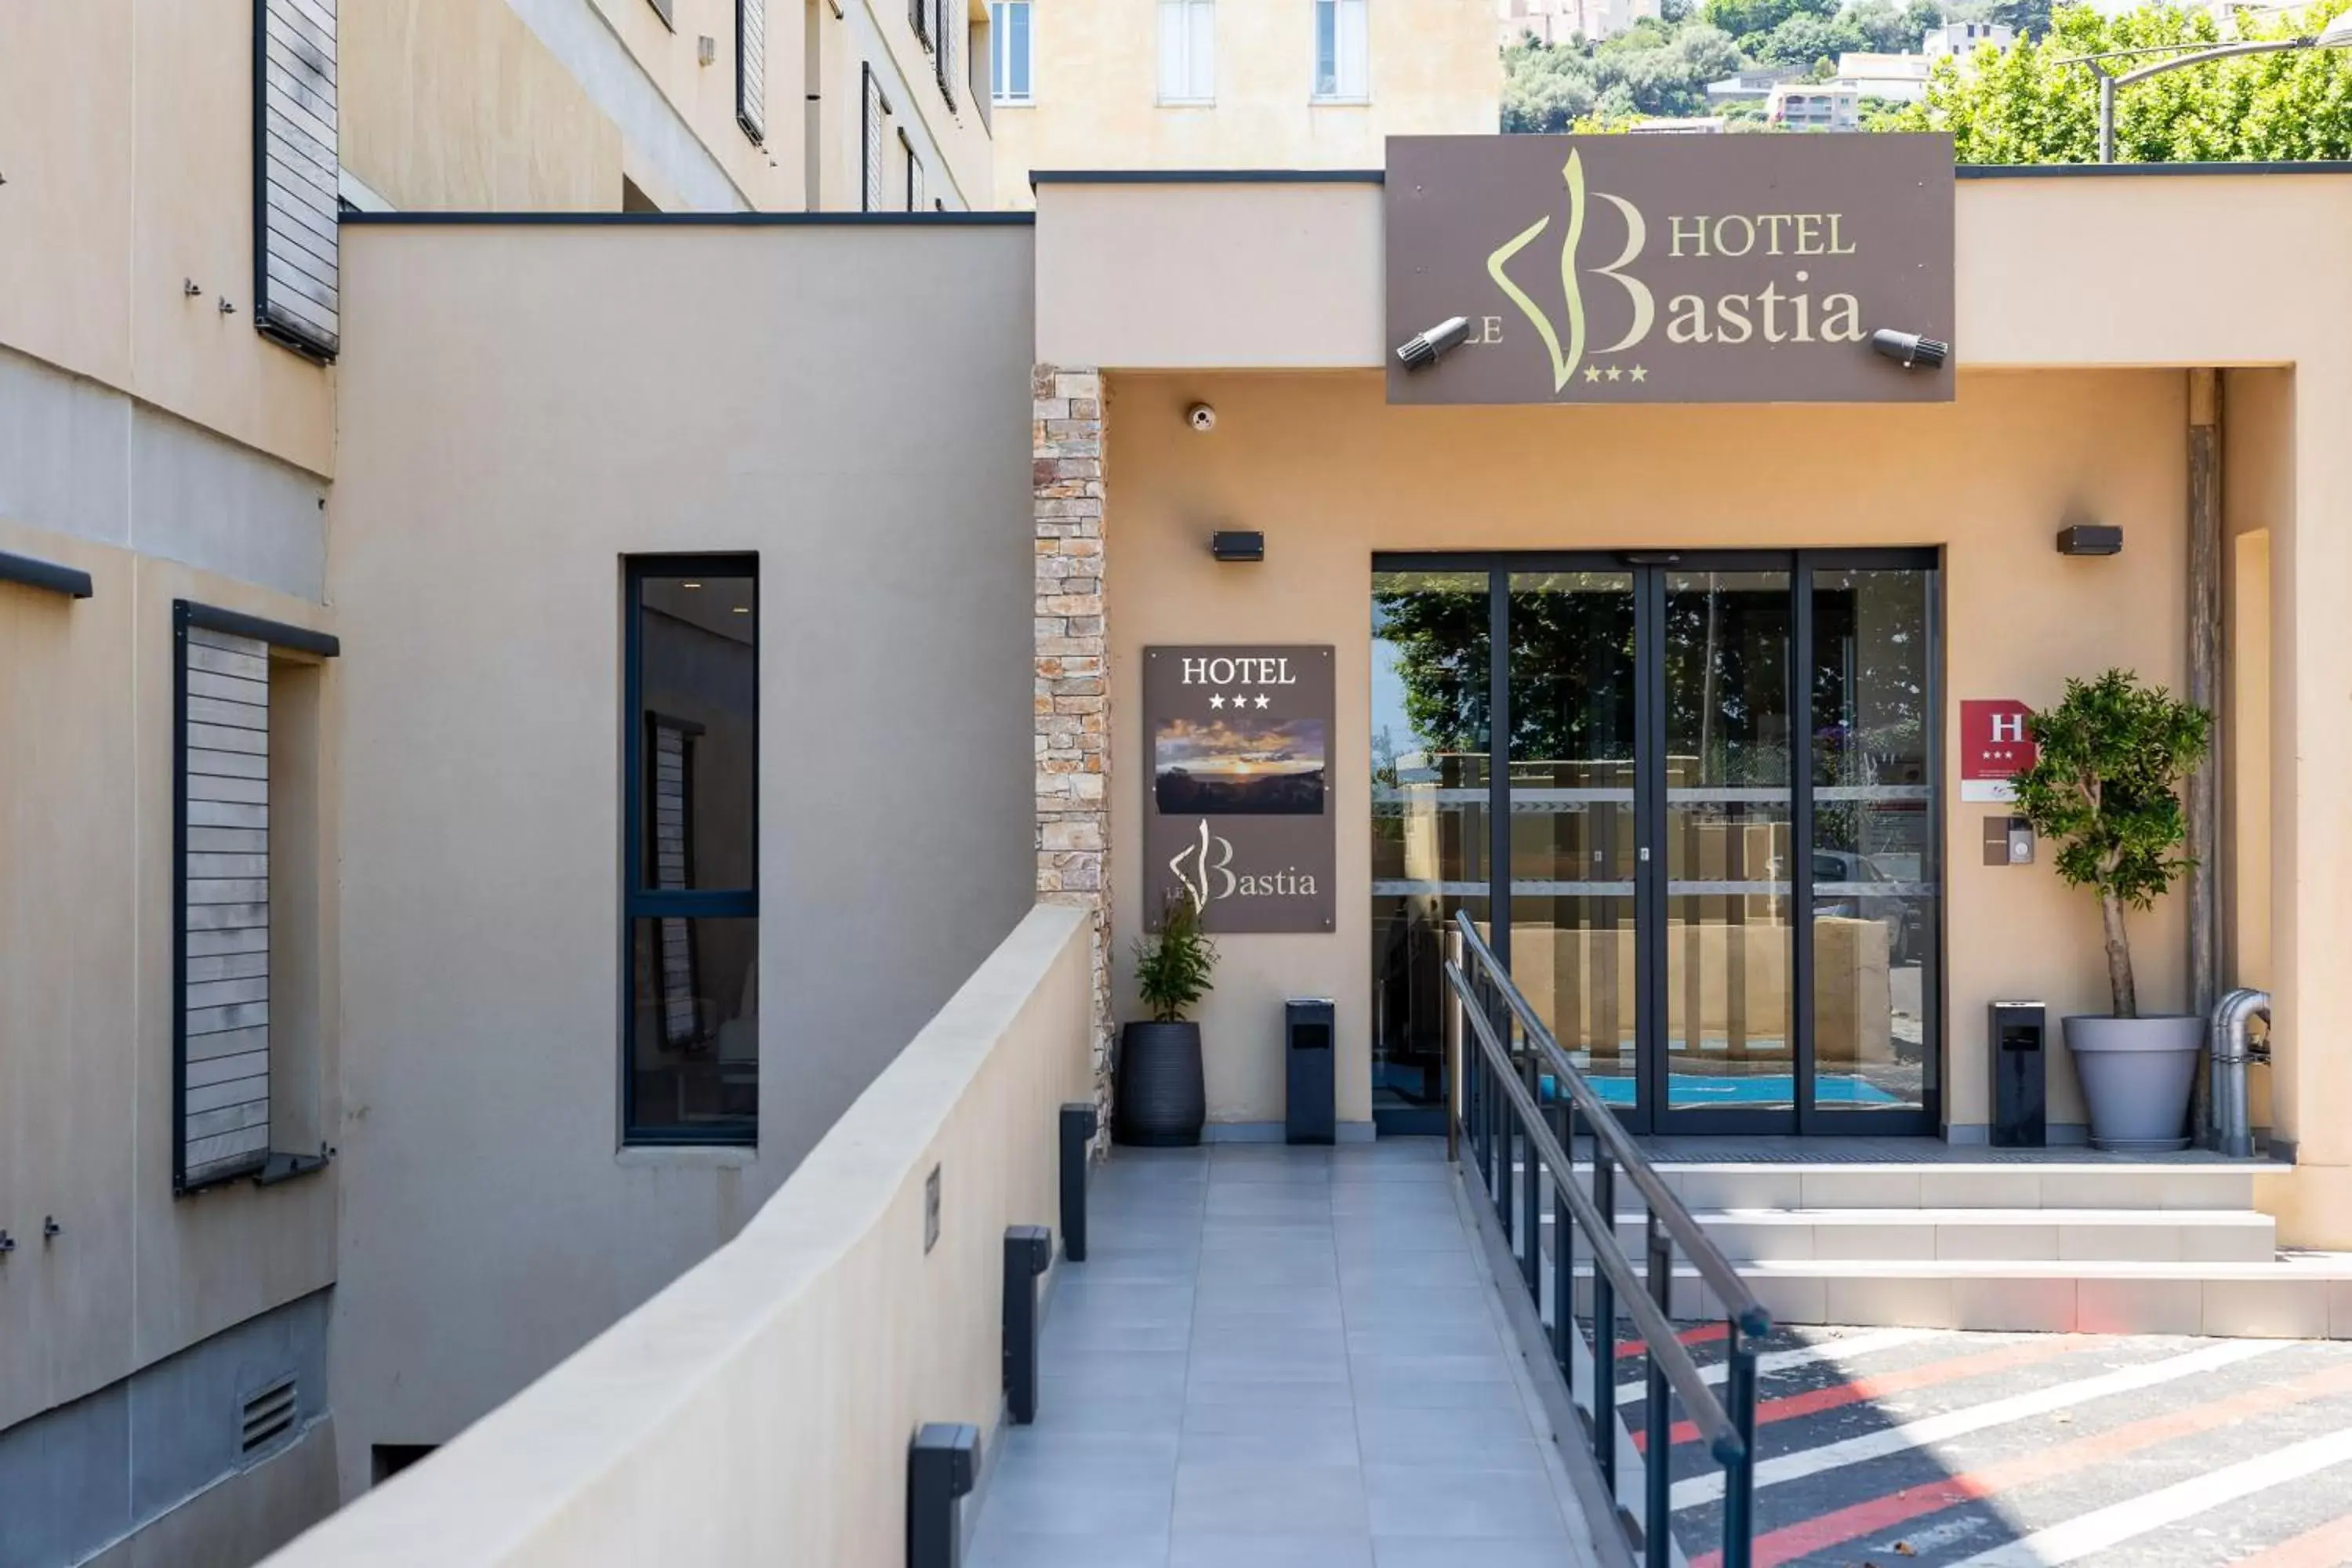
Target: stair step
(2298, 1295)
(2151, 1235)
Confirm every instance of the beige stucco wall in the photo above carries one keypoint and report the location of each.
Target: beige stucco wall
(2059, 273)
(850, 402)
(86, 1113)
(456, 105)
(1332, 474)
(129, 126)
(1095, 75)
(758, 1411)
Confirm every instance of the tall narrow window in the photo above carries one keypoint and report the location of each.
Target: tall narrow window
(691, 927)
(914, 175)
(246, 876)
(1188, 52)
(1009, 66)
(948, 46)
(751, 68)
(297, 283)
(876, 110)
(1343, 54)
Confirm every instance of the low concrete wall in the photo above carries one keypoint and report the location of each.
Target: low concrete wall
(759, 1409)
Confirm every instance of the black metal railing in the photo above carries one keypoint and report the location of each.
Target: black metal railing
(1502, 1129)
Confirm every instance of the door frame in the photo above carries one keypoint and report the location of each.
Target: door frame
(1651, 1112)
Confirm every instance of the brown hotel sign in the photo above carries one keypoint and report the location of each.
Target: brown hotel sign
(1669, 269)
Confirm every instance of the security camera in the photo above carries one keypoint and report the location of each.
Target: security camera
(1200, 417)
(1422, 348)
(1910, 350)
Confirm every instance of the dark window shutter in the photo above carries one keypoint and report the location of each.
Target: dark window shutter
(751, 68)
(296, 286)
(872, 171)
(918, 17)
(950, 28)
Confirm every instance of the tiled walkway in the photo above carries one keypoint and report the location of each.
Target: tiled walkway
(1279, 1356)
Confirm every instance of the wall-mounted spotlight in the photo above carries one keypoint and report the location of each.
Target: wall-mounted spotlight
(2091, 539)
(1423, 348)
(1236, 544)
(1910, 350)
(1201, 418)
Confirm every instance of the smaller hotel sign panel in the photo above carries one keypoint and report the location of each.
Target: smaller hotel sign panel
(1238, 818)
(1669, 269)
(1994, 748)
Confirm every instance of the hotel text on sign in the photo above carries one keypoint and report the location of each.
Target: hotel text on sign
(1994, 746)
(1669, 269)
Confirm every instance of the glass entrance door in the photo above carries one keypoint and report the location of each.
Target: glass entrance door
(1667, 760)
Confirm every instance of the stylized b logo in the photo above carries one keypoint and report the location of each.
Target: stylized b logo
(1211, 875)
(1566, 357)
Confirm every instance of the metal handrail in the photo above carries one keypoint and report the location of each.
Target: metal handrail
(1497, 1112)
(1739, 1301)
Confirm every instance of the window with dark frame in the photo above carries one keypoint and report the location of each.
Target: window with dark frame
(876, 109)
(752, 69)
(914, 171)
(690, 1035)
(952, 24)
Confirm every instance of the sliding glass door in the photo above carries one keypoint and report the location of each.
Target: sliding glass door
(1672, 756)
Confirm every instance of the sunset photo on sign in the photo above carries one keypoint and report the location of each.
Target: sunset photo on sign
(1219, 768)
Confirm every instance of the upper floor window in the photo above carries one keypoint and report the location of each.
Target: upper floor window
(1188, 52)
(1342, 68)
(874, 110)
(914, 173)
(1008, 63)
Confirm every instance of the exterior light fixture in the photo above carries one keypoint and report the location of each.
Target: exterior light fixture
(1424, 348)
(1234, 544)
(1910, 350)
(2091, 539)
(689, 584)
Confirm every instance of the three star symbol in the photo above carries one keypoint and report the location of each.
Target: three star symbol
(1240, 700)
(1595, 373)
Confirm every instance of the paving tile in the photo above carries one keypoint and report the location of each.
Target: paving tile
(1452, 1552)
(995, 1548)
(1051, 1501)
(1248, 1498)
(2000, 1242)
(1918, 1301)
(1467, 1505)
(1845, 1242)
(2091, 1241)
(1462, 1336)
(1833, 1189)
(1078, 1404)
(1471, 1439)
(1980, 1189)
(2019, 1304)
(2267, 1309)
(1334, 1395)
(2139, 1306)
(1282, 1549)
(1270, 1435)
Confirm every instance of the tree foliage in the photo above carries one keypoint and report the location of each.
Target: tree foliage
(2105, 790)
(2028, 104)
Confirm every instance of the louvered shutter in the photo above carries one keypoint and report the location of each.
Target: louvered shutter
(751, 68)
(222, 878)
(918, 17)
(951, 27)
(297, 288)
(872, 171)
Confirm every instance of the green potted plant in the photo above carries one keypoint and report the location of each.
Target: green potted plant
(1159, 1100)
(2105, 792)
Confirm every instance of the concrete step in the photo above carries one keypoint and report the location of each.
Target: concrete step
(2299, 1296)
(1972, 1184)
(2134, 1235)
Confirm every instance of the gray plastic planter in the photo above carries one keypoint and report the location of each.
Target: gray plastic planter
(2136, 1074)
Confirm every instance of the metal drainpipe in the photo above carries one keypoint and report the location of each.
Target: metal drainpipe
(2233, 1110)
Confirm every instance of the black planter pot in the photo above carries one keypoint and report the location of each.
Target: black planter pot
(1157, 1100)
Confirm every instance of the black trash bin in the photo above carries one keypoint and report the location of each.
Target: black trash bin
(1312, 1113)
(2020, 1076)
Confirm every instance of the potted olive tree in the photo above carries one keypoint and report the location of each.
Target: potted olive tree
(1159, 1100)
(2105, 791)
